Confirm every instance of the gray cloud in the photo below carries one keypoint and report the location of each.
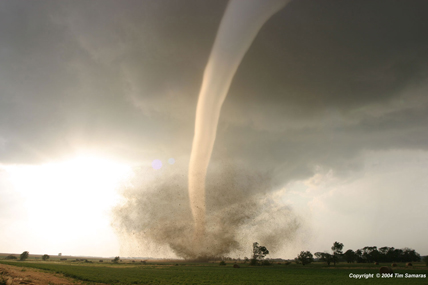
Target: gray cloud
(118, 76)
(323, 82)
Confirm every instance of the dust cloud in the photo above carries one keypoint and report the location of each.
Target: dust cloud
(155, 217)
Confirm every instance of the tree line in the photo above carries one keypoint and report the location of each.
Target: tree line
(368, 254)
(383, 254)
(24, 256)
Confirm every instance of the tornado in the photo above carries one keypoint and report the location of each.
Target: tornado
(239, 26)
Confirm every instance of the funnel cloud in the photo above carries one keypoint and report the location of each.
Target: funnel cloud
(239, 26)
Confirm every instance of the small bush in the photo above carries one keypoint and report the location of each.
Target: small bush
(222, 263)
(11, 257)
(24, 255)
(266, 263)
(305, 257)
(254, 262)
(425, 259)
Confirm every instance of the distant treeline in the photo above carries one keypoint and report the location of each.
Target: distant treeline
(370, 254)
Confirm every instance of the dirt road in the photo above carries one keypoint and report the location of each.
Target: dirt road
(13, 275)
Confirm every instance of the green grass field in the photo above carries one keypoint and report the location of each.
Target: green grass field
(212, 273)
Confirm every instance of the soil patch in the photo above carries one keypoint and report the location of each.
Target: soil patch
(14, 275)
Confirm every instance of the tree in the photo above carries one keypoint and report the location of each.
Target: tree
(45, 257)
(324, 256)
(305, 257)
(383, 254)
(11, 257)
(371, 254)
(259, 252)
(359, 254)
(116, 259)
(24, 255)
(350, 256)
(375, 255)
(410, 255)
(390, 254)
(398, 255)
(337, 251)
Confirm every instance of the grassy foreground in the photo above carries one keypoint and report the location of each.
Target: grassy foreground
(212, 273)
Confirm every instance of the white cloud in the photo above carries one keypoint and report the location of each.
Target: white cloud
(383, 205)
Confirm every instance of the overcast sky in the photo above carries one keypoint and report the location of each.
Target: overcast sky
(330, 100)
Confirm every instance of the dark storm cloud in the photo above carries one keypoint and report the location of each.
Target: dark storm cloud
(335, 53)
(325, 80)
(322, 81)
(100, 75)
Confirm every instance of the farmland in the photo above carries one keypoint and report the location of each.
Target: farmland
(161, 272)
